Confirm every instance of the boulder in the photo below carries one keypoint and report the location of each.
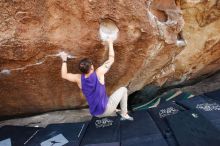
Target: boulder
(159, 41)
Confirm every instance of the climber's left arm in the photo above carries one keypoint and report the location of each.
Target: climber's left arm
(69, 76)
(64, 74)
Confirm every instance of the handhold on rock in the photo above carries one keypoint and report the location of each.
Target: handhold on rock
(108, 30)
(5, 72)
(180, 43)
(68, 55)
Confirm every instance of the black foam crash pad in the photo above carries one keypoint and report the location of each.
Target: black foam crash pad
(16, 135)
(192, 129)
(67, 134)
(159, 113)
(141, 132)
(209, 108)
(214, 94)
(102, 132)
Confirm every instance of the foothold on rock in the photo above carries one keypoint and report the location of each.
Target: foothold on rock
(108, 30)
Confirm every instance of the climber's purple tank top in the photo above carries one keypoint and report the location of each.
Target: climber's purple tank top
(95, 94)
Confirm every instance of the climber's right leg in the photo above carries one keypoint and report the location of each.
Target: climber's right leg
(119, 96)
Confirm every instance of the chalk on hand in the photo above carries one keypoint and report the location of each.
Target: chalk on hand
(68, 55)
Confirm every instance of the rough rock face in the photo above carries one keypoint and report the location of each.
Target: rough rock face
(160, 41)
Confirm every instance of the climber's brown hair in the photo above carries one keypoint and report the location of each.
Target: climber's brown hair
(85, 65)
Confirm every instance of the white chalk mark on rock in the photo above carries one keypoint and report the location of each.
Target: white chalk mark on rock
(180, 43)
(108, 30)
(8, 71)
(5, 72)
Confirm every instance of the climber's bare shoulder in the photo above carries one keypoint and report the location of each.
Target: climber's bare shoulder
(73, 77)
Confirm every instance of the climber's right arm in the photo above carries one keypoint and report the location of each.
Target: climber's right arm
(103, 69)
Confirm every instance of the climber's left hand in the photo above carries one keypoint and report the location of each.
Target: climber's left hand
(63, 56)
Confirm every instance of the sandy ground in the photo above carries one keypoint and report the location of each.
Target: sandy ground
(67, 116)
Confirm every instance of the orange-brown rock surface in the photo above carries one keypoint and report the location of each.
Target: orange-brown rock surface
(159, 41)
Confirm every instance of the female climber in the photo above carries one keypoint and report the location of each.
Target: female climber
(92, 84)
